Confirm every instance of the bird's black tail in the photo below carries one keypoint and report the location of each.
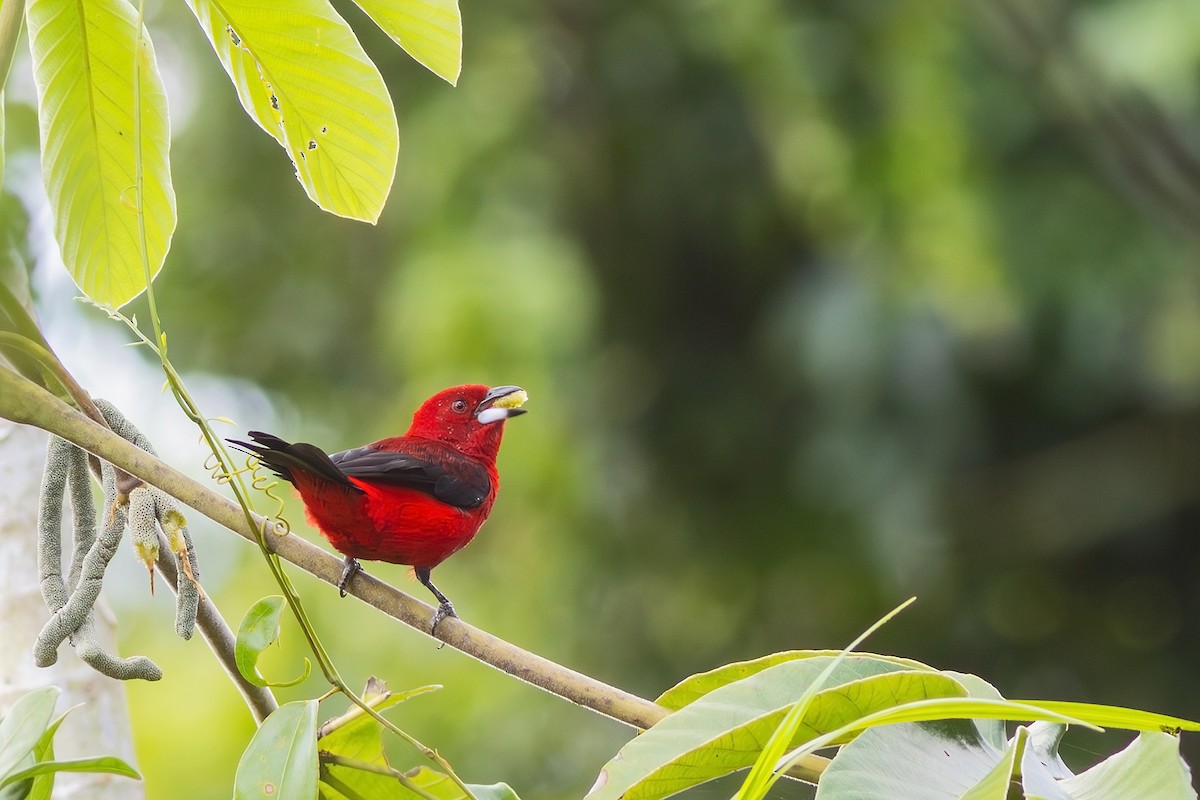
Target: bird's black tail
(285, 459)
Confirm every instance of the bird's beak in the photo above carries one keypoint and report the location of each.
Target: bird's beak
(500, 403)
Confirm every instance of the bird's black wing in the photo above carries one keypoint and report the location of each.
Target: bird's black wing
(434, 469)
(285, 458)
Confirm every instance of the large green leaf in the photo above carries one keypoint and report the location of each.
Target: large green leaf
(950, 760)
(725, 729)
(42, 787)
(1149, 769)
(696, 686)
(429, 30)
(361, 738)
(762, 775)
(109, 764)
(944, 760)
(93, 122)
(281, 759)
(304, 78)
(23, 726)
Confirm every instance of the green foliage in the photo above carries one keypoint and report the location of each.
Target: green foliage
(27, 765)
(949, 760)
(258, 631)
(852, 245)
(105, 137)
(281, 759)
(304, 78)
(429, 30)
(812, 702)
(696, 686)
(358, 738)
(298, 69)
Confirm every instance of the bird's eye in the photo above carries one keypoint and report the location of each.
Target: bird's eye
(459, 406)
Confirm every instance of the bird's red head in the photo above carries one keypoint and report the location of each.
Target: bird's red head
(469, 418)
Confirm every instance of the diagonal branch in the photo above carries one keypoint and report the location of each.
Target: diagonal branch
(22, 401)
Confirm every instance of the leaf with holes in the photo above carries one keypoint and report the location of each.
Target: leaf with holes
(302, 75)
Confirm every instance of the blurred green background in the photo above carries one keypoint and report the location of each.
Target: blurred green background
(820, 305)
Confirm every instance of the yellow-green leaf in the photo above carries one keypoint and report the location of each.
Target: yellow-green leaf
(84, 66)
(725, 729)
(429, 30)
(302, 75)
(258, 631)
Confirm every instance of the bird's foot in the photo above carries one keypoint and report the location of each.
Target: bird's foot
(444, 610)
(351, 566)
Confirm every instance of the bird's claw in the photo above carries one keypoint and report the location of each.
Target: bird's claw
(351, 566)
(444, 610)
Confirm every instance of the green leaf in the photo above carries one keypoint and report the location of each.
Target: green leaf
(281, 759)
(84, 66)
(724, 730)
(762, 775)
(1041, 766)
(355, 784)
(1129, 719)
(23, 726)
(950, 760)
(361, 738)
(696, 686)
(258, 631)
(43, 785)
(106, 764)
(944, 760)
(442, 787)
(994, 731)
(429, 30)
(304, 78)
(1149, 769)
(338, 782)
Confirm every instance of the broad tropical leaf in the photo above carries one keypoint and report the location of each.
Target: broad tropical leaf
(302, 75)
(1149, 769)
(360, 737)
(23, 726)
(281, 759)
(725, 729)
(696, 686)
(950, 760)
(94, 121)
(944, 760)
(429, 30)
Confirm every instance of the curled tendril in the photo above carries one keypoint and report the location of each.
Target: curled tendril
(216, 470)
(266, 484)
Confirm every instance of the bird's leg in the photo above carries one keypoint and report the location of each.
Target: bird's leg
(351, 566)
(445, 609)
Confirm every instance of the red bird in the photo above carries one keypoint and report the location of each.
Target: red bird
(414, 499)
